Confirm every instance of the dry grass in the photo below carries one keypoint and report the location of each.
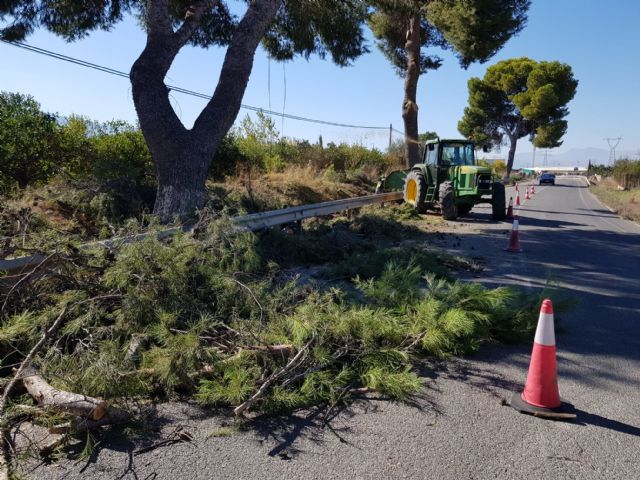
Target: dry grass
(291, 187)
(626, 203)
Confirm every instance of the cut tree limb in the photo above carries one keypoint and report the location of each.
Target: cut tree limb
(81, 424)
(294, 363)
(68, 402)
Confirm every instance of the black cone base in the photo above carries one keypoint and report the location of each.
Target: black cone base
(565, 411)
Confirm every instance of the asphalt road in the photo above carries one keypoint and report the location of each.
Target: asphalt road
(459, 428)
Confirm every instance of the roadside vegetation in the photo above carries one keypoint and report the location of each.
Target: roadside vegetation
(618, 187)
(86, 180)
(243, 322)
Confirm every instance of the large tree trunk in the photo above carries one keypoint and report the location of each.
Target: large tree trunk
(409, 105)
(512, 153)
(182, 157)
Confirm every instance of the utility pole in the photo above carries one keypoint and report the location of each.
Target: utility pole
(613, 143)
(533, 161)
(390, 135)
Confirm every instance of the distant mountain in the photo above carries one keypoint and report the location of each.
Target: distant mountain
(574, 156)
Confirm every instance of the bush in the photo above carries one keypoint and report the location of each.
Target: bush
(28, 142)
(228, 158)
(627, 173)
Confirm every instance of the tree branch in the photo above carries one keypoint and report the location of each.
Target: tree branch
(223, 108)
(158, 19)
(293, 364)
(192, 20)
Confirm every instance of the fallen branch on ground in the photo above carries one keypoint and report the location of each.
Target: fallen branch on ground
(293, 364)
(67, 402)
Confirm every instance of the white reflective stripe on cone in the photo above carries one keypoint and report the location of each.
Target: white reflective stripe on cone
(515, 225)
(544, 332)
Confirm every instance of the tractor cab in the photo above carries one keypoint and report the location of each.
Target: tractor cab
(449, 178)
(455, 160)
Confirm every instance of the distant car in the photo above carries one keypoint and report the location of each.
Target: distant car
(547, 178)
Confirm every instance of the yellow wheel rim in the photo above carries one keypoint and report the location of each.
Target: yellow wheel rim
(411, 194)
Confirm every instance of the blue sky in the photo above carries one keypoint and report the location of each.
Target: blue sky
(599, 40)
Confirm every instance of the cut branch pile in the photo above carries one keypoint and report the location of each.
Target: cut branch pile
(208, 316)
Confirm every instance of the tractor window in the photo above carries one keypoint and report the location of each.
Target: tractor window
(457, 154)
(432, 155)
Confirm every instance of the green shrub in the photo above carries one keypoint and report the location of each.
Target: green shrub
(28, 142)
(627, 173)
(228, 158)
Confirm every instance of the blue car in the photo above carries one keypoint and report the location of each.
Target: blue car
(547, 178)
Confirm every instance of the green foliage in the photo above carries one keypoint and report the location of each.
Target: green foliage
(604, 170)
(28, 142)
(209, 316)
(324, 27)
(301, 28)
(371, 264)
(477, 29)
(473, 29)
(516, 98)
(389, 25)
(399, 385)
(234, 383)
(228, 157)
(257, 144)
(395, 287)
(627, 173)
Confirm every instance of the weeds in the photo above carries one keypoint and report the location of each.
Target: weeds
(625, 203)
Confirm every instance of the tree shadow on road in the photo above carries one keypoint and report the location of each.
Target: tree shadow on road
(289, 432)
(480, 378)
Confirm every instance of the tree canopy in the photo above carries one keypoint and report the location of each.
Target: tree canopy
(304, 27)
(474, 30)
(517, 98)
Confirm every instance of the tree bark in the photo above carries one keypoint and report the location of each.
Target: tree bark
(182, 157)
(513, 139)
(409, 104)
(68, 402)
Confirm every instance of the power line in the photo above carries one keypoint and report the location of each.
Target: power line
(111, 71)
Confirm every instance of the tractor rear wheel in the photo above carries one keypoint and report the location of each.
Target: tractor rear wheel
(415, 190)
(448, 201)
(498, 202)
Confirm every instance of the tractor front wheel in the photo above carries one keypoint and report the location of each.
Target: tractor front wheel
(448, 201)
(498, 202)
(415, 190)
(464, 209)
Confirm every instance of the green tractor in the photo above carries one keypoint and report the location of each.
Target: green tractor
(450, 179)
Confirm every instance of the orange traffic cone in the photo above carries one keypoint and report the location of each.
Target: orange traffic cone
(533, 189)
(541, 396)
(514, 242)
(510, 209)
(526, 195)
(517, 198)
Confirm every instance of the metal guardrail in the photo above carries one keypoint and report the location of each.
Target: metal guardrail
(258, 221)
(253, 222)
